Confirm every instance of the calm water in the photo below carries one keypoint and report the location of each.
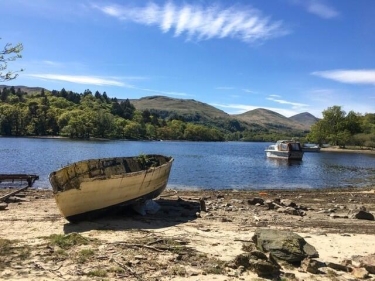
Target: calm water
(203, 165)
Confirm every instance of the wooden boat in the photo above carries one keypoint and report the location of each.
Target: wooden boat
(285, 149)
(310, 147)
(29, 178)
(89, 188)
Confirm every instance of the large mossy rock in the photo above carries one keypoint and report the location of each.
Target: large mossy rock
(284, 245)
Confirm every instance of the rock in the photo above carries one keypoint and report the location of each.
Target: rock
(248, 247)
(288, 203)
(255, 201)
(367, 262)
(202, 204)
(242, 260)
(360, 273)
(362, 215)
(269, 204)
(289, 276)
(284, 245)
(15, 199)
(264, 268)
(338, 216)
(337, 266)
(311, 265)
(258, 255)
(3, 205)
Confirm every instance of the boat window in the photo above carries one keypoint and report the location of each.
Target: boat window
(295, 146)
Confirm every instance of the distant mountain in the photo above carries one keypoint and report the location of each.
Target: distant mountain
(195, 111)
(305, 118)
(188, 108)
(270, 120)
(29, 90)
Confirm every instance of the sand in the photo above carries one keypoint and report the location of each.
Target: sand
(179, 242)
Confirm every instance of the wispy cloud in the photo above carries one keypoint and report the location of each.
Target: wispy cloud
(294, 105)
(201, 23)
(322, 10)
(167, 93)
(364, 76)
(104, 81)
(318, 8)
(249, 91)
(89, 80)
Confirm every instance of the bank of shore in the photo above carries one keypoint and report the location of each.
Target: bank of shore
(347, 150)
(181, 241)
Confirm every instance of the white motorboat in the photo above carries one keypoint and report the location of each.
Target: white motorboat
(285, 149)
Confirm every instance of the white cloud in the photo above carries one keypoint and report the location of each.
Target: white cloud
(201, 23)
(89, 80)
(318, 8)
(364, 76)
(293, 104)
(167, 93)
(249, 91)
(321, 10)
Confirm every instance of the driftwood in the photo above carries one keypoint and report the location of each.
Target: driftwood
(5, 197)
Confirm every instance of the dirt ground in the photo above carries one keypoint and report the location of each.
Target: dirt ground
(181, 241)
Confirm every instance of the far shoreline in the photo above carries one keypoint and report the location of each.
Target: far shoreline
(347, 150)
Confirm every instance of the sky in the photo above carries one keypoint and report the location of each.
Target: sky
(288, 56)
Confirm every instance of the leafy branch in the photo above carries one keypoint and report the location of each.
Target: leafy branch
(9, 53)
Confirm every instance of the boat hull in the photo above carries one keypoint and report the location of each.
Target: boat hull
(285, 149)
(87, 189)
(293, 155)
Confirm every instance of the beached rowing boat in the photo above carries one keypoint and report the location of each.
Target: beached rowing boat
(90, 188)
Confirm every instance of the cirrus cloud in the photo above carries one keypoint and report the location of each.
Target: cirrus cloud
(362, 76)
(89, 80)
(201, 23)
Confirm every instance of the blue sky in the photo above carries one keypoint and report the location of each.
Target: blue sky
(289, 56)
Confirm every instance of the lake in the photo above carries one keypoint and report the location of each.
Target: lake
(201, 165)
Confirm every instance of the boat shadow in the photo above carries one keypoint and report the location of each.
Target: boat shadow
(172, 212)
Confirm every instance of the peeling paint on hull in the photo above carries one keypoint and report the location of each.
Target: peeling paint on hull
(91, 187)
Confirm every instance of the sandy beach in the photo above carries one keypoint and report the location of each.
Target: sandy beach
(181, 241)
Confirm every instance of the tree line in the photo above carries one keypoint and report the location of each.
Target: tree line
(343, 129)
(94, 115)
(90, 115)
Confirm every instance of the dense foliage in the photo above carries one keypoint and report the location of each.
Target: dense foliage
(339, 128)
(88, 115)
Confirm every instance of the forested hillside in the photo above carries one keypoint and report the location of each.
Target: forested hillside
(38, 112)
(89, 115)
(35, 111)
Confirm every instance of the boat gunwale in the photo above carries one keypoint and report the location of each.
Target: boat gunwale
(62, 188)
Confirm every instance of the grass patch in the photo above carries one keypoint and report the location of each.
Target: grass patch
(68, 241)
(5, 247)
(97, 273)
(177, 270)
(84, 255)
(216, 268)
(12, 253)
